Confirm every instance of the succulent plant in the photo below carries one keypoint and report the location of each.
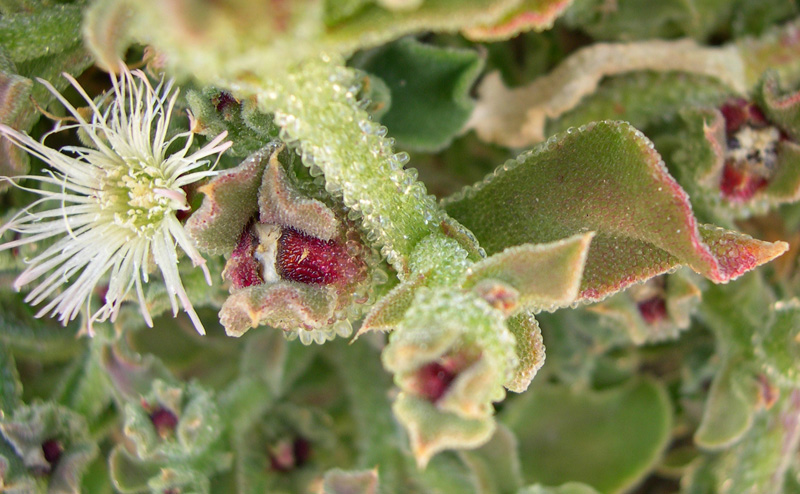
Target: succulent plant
(403, 210)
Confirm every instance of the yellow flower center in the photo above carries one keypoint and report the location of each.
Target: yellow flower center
(139, 197)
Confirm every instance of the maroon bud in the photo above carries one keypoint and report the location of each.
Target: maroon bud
(164, 421)
(738, 185)
(52, 450)
(313, 261)
(243, 269)
(225, 104)
(433, 380)
(289, 455)
(653, 310)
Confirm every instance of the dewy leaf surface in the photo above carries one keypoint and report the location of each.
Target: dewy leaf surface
(607, 178)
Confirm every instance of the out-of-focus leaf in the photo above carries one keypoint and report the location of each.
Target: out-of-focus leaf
(495, 465)
(568, 488)
(342, 482)
(530, 15)
(430, 88)
(643, 99)
(778, 346)
(597, 179)
(30, 428)
(35, 338)
(608, 439)
(260, 40)
(732, 403)
(86, 389)
(10, 387)
(517, 116)
(529, 348)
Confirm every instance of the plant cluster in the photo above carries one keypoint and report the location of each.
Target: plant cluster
(324, 246)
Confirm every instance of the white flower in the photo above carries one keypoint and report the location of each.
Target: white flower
(112, 205)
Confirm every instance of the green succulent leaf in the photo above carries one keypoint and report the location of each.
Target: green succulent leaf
(29, 428)
(608, 439)
(604, 193)
(760, 461)
(530, 15)
(10, 386)
(216, 111)
(495, 465)
(424, 80)
(529, 348)
(431, 431)
(731, 407)
(87, 389)
(343, 482)
(231, 202)
(262, 41)
(546, 276)
(40, 41)
(643, 99)
(29, 35)
(778, 346)
(568, 488)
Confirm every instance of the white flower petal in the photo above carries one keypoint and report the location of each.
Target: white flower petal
(116, 203)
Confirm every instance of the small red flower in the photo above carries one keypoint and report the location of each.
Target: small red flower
(164, 421)
(52, 450)
(653, 310)
(434, 379)
(751, 154)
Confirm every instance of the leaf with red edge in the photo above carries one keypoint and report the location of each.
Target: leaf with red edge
(531, 15)
(605, 177)
(231, 202)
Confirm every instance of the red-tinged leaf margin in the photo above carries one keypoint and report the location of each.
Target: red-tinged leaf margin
(608, 178)
(532, 15)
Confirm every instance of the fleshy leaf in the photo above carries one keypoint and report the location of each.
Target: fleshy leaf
(28, 35)
(53, 440)
(568, 488)
(564, 187)
(560, 430)
(778, 346)
(495, 464)
(530, 351)
(530, 15)
(654, 311)
(282, 204)
(546, 276)
(231, 201)
(516, 117)
(760, 461)
(283, 304)
(261, 40)
(643, 99)
(216, 111)
(388, 311)
(424, 80)
(105, 31)
(431, 431)
(730, 408)
(342, 482)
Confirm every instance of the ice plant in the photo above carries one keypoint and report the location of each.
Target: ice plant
(113, 205)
